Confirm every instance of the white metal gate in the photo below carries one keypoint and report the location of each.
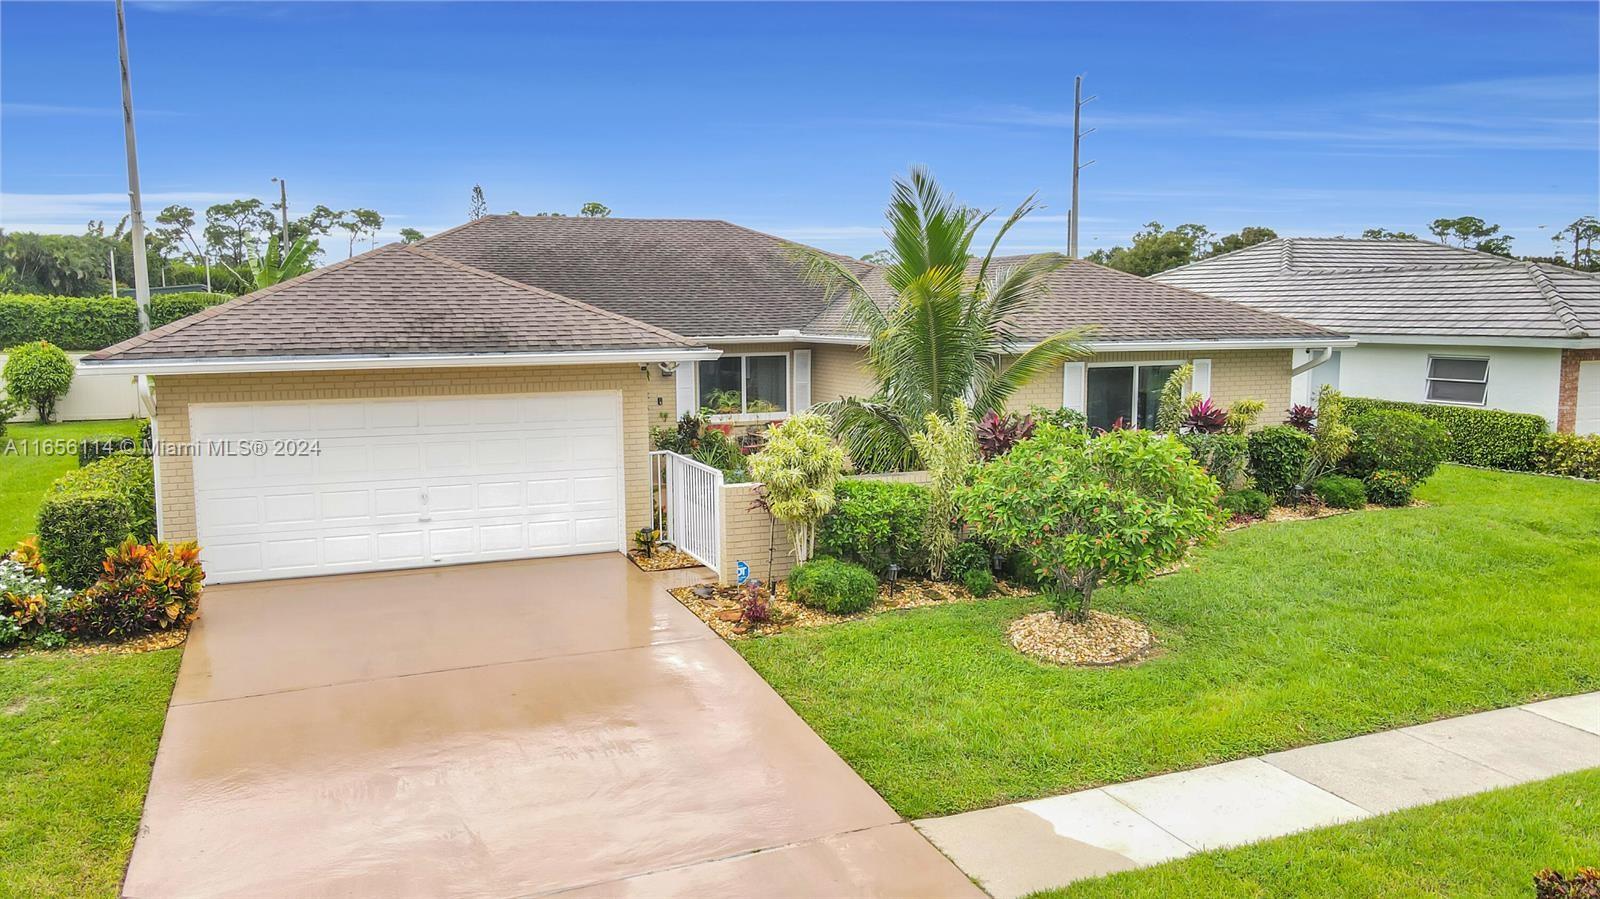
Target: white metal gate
(687, 498)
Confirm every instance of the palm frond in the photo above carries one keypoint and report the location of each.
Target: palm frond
(1022, 211)
(997, 389)
(875, 434)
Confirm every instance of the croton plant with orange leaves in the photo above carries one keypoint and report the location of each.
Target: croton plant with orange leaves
(143, 587)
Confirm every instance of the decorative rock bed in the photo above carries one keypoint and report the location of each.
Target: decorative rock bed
(665, 558)
(720, 607)
(1100, 640)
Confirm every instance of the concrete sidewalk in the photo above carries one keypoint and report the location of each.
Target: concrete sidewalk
(1014, 850)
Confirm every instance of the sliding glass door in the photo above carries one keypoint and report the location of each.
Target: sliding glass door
(1125, 395)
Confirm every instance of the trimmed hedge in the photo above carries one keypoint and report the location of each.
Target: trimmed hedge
(1393, 440)
(833, 586)
(1489, 438)
(1340, 492)
(1278, 456)
(877, 524)
(83, 324)
(93, 449)
(90, 509)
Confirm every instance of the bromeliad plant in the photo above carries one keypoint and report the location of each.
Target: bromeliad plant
(1083, 511)
(945, 326)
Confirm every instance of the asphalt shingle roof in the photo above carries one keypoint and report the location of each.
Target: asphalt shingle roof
(395, 300)
(1124, 308)
(698, 277)
(1407, 287)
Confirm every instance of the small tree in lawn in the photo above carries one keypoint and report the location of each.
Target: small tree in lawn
(800, 465)
(947, 449)
(1083, 511)
(37, 374)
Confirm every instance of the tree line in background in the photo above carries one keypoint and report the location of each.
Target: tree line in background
(478, 207)
(242, 242)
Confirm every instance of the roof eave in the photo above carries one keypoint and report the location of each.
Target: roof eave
(232, 364)
(1232, 343)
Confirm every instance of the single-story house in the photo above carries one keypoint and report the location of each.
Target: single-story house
(1435, 324)
(488, 392)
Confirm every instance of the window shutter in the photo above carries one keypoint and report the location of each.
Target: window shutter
(685, 387)
(1072, 386)
(802, 380)
(1200, 382)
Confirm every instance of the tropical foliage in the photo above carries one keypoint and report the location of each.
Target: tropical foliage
(799, 467)
(949, 449)
(272, 267)
(37, 375)
(945, 326)
(1083, 511)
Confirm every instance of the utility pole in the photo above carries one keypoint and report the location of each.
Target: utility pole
(141, 272)
(283, 206)
(1077, 139)
(112, 256)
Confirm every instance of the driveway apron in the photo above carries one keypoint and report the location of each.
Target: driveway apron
(504, 729)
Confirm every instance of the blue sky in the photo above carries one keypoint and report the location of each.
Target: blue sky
(1308, 118)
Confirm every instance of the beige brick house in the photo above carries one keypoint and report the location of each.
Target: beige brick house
(488, 393)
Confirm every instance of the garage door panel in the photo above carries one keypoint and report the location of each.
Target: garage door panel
(408, 483)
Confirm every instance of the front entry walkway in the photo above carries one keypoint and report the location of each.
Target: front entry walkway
(506, 729)
(1014, 850)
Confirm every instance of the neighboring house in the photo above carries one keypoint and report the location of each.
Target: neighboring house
(1435, 324)
(488, 393)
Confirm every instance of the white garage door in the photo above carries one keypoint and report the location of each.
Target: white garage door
(293, 489)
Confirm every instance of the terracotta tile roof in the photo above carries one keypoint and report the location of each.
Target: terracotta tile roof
(392, 301)
(1409, 287)
(703, 278)
(1124, 307)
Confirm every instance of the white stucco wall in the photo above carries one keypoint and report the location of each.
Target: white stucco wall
(92, 396)
(1521, 379)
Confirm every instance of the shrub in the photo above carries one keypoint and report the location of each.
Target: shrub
(1204, 417)
(1330, 439)
(1172, 404)
(129, 474)
(142, 588)
(1568, 454)
(90, 323)
(1061, 417)
(799, 467)
(969, 556)
(755, 606)
(1389, 488)
(690, 436)
(1339, 491)
(833, 585)
(877, 524)
(1278, 457)
(1302, 417)
(1397, 441)
(37, 375)
(1246, 504)
(948, 450)
(979, 582)
(1583, 883)
(74, 531)
(1223, 456)
(8, 411)
(91, 449)
(1489, 438)
(28, 603)
(1242, 413)
(997, 433)
(1086, 511)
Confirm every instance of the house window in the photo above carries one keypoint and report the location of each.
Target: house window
(1457, 380)
(745, 385)
(1128, 394)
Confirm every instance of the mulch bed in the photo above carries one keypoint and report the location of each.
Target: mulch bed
(665, 558)
(148, 643)
(719, 607)
(1311, 511)
(1100, 640)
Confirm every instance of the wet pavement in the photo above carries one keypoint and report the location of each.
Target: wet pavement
(515, 728)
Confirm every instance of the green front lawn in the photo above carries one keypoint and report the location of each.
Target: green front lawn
(80, 733)
(1479, 846)
(25, 475)
(1278, 636)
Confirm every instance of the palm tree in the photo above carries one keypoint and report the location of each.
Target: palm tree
(950, 325)
(271, 268)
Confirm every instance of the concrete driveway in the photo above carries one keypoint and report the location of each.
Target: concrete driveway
(496, 730)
